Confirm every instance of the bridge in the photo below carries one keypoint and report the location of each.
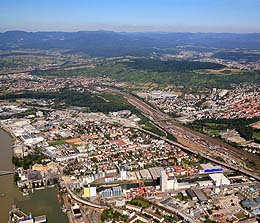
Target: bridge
(82, 201)
(6, 172)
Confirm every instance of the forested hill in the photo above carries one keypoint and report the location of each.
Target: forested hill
(108, 43)
(170, 65)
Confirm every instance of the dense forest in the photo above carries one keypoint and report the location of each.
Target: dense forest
(96, 103)
(170, 65)
(241, 125)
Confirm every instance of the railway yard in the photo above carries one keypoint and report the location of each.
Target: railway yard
(196, 142)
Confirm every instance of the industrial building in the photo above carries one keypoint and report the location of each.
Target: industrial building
(219, 179)
(112, 192)
(31, 139)
(16, 216)
(155, 172)
(210, 168)
(76, 211)
(191, 194)
(90, 191)
(171, 183)
(163, 181)
(200, 195)
(145, 174)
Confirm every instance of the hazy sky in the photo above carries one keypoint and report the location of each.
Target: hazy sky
(131, 15)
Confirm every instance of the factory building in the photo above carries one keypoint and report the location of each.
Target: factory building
(171, 183)
(90, 191)
(191, 194)
(219, 179)
(208, 168)
(31, 139)
(145, 174)
(155, 172)
(123, 175)
(112, 192)
(163, 181)
(200, 195)
(76, 211)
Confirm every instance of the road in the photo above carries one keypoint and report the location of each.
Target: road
(81, 201)
(195, 142)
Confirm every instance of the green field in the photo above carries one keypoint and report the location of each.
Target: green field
(140, 202)
(165, 74)
(57, 142)
(256, 135)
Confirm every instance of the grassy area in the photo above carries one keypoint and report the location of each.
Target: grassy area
(219, 158)
(214, 129)
(252, 164)
(57, 142)
(140, 202)
(111, 214)
(149, 126)
(256, 135)
(171, 137)
(181, 197)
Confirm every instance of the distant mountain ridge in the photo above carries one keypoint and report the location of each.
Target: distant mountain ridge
(109, 43)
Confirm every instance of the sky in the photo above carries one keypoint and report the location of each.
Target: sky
(242, 16)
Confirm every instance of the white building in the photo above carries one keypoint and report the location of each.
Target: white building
(123, 175)
(93, 191)
(163, 181)
(219, 179)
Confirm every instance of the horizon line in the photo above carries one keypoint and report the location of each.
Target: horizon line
(116, 31)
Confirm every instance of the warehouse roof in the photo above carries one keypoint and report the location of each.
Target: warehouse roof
(145, 174)
(219, 179)
(200, 195)
(155, 172)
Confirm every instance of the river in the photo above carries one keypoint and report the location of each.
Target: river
(39, 203)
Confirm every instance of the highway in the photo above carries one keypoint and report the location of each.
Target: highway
(193, 141)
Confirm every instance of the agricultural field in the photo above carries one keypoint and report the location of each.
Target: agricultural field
(197, 76)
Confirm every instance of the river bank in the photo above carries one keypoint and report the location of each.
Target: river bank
(38, 203)
(7, 185)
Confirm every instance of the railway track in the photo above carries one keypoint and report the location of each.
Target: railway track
(197, 139)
